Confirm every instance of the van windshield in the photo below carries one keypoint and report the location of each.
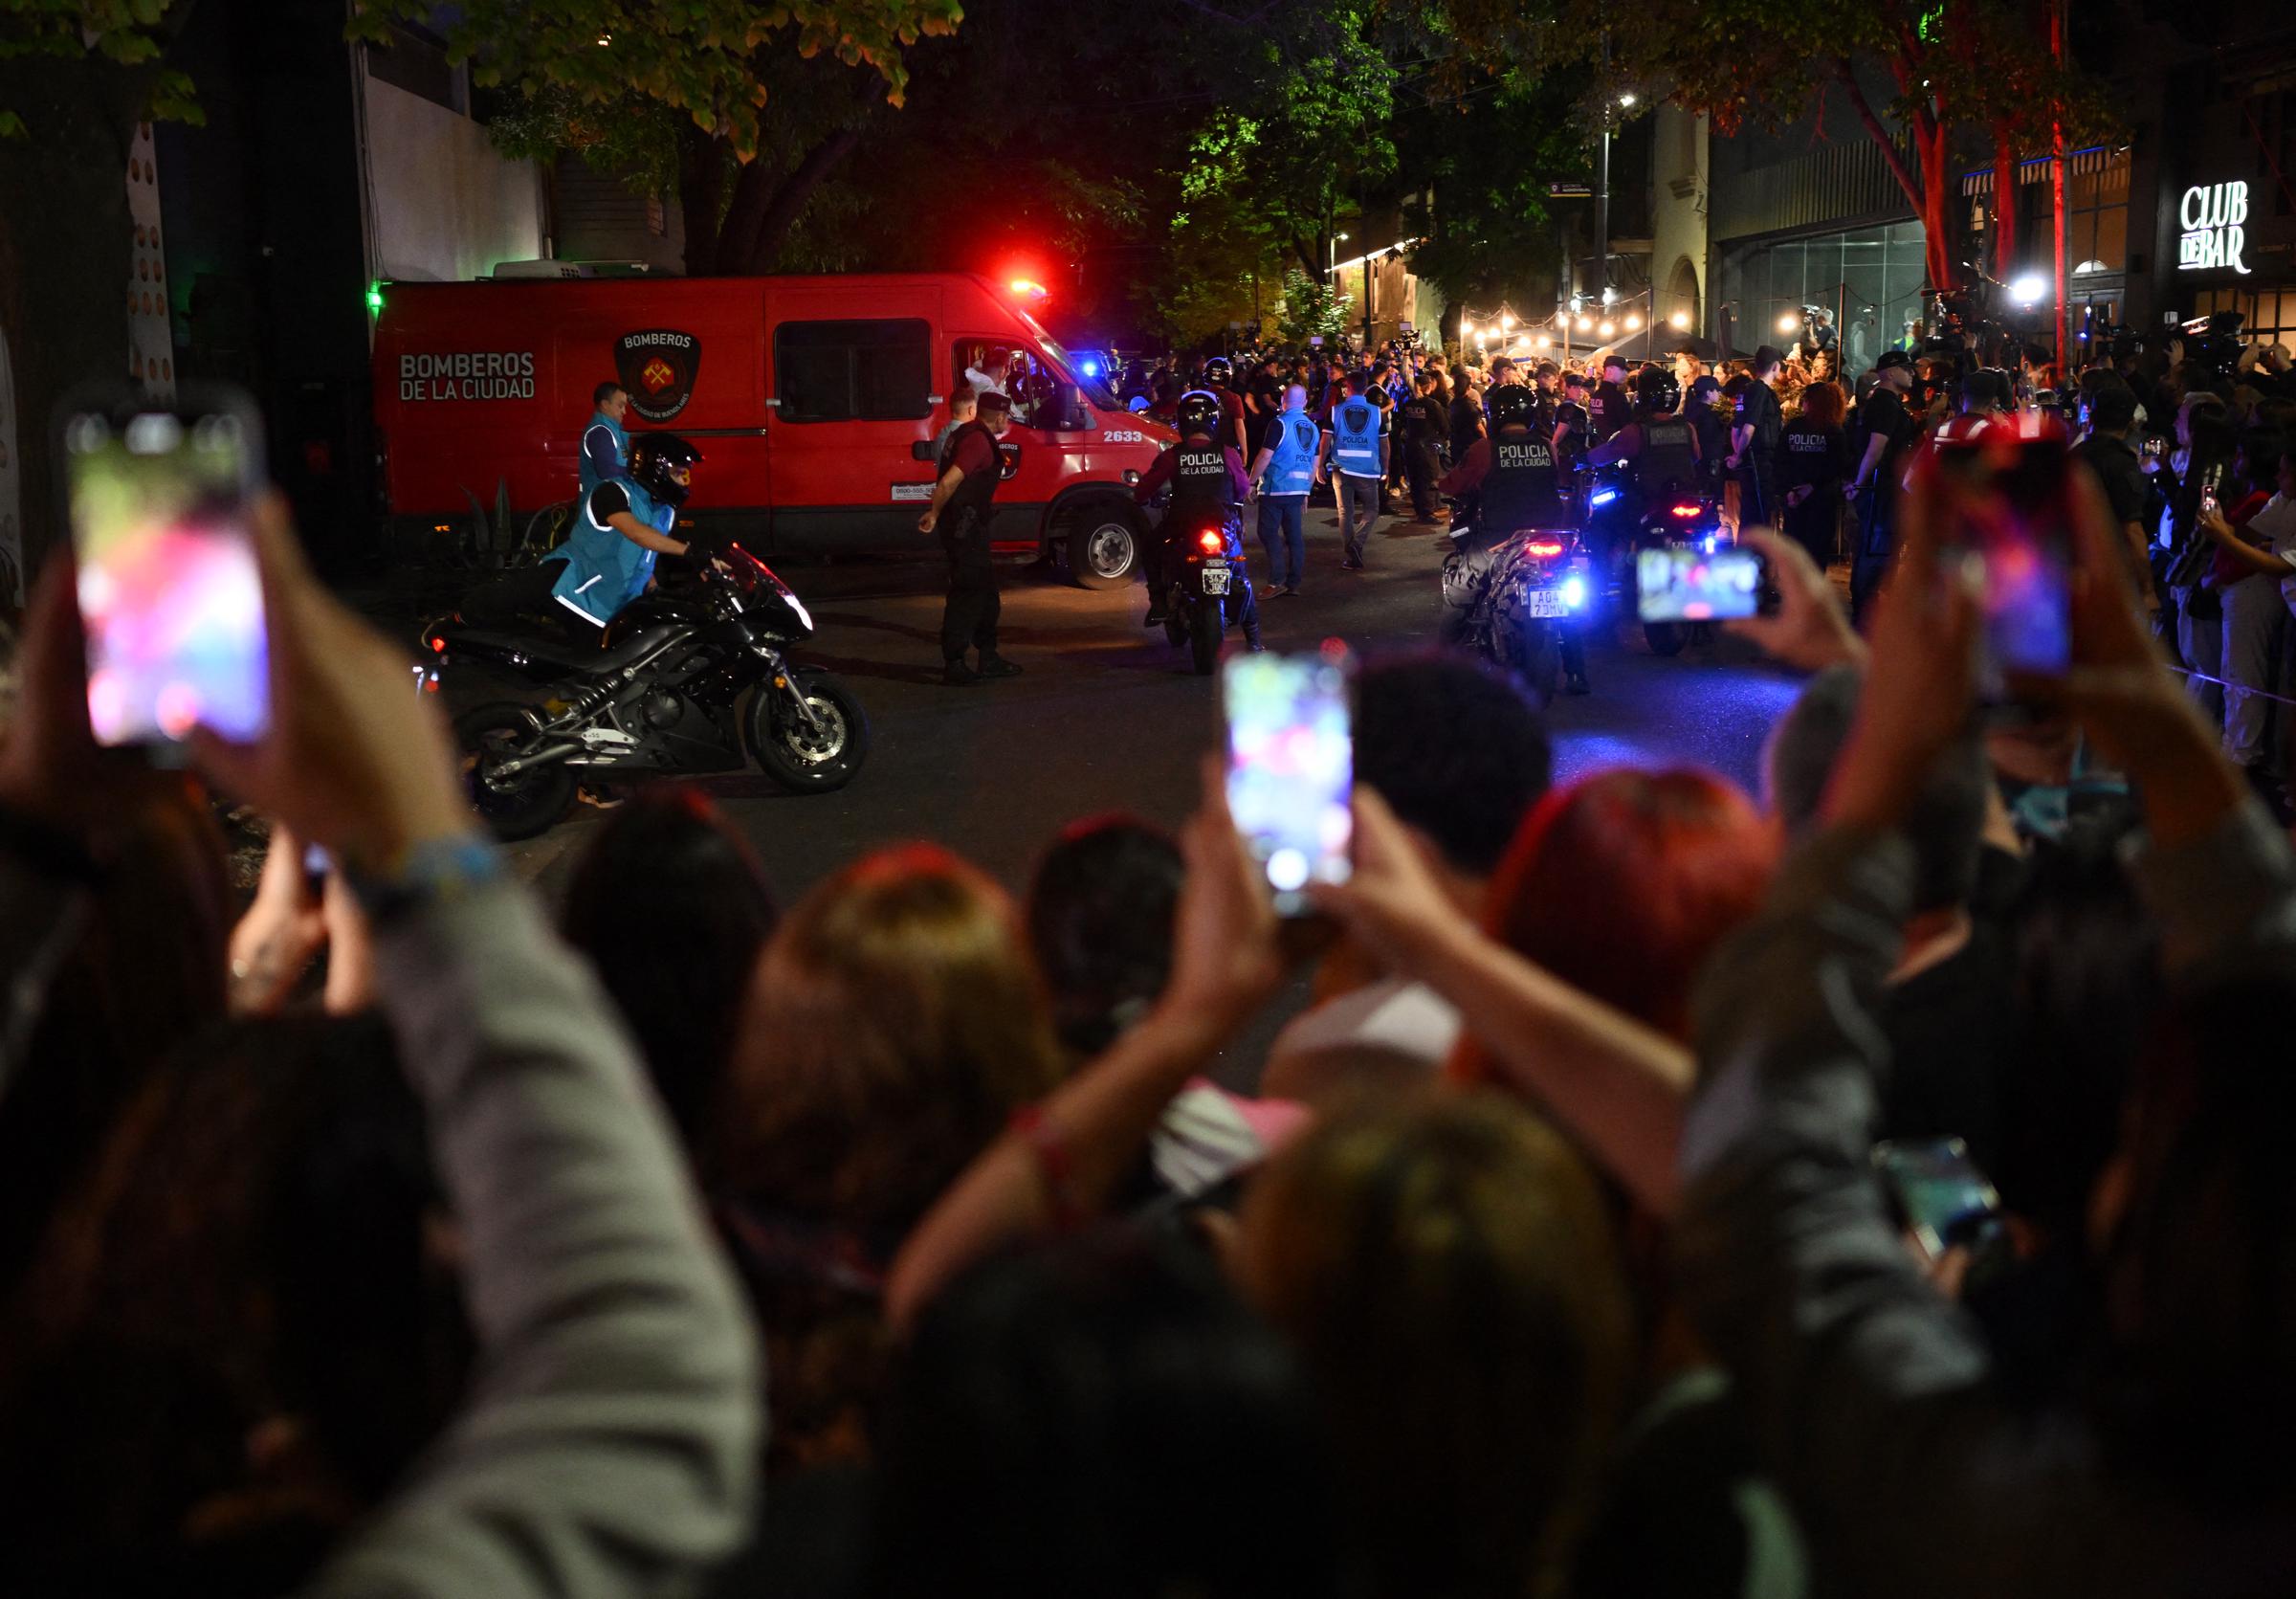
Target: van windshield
(1094, 383)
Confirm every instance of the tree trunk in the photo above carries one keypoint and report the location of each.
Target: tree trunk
(780, 211)
(66, 255)
(1929, 192)
(700, 195)
(2004, 203)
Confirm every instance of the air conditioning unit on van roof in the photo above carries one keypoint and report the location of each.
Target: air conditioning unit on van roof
(570, 269)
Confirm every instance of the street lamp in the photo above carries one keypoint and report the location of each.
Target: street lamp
(1331, 270)
(1627, 99)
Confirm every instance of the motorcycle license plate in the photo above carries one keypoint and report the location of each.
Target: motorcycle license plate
(1547, 603)
(1215, 580)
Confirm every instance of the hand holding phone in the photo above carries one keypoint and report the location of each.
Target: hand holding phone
(1939, 1196)
(1290, 767)
(1688, 585)
(170, 597)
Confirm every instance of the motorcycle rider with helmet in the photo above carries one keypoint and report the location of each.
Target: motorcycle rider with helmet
(1208, 484)
(1219, 379)
(1662, 444)
(621, 528)
(1510, 483)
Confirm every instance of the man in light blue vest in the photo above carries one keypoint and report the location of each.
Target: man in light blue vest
(1354, 442)
(623, 527)
(620, 528)
(1283, 473)
(604, 445)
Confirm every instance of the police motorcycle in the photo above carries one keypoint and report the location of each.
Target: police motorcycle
(1518, 583)
(662, 695)
(1655, 501)
(1206, 582)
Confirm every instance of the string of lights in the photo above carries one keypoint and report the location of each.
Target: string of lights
(1613, 319)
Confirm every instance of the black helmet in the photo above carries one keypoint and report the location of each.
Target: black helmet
(1199, 409)
(1656, 389)
(653, 459)
(1511, 403)
(1217, 369)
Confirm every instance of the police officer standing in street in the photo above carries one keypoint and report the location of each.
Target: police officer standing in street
(1608, 409)
(969, 470)
(1284, 471)
(1355, 443)
(1761, 425)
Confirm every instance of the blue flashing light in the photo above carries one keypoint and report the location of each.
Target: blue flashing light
(1092, 369)
(1710, 542)
(1603, 497)
(1574, 593)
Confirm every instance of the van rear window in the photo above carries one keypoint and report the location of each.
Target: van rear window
(873, 371)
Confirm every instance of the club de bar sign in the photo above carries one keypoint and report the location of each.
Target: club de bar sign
(2214, 217)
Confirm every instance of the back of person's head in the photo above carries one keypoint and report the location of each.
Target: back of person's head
(1622, 882)
(146, 973)
(1357, 382)
(1099, 911)
(2258, 459)
(1447, 1267)
(895, 1022)
(2112, 409)
(962, 398)
(2199, 1248)
(253, 1258)
(2213, 435)
(1767, 360)
(1102, 1416)
(1456, 749)
(672, 907)
(1822, 405)
(1946, 819)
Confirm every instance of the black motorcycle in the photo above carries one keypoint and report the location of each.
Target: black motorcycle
(1199, 577)
(1508, 595)
(661, 699)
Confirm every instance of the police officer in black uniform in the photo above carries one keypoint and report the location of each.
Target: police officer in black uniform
(1608, 409)
(968, 472)
(1208, 484)
(1762, 426)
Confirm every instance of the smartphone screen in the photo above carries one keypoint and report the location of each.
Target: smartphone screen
(1290, 767)
(2026, 543)
(1940, 1195)
(169, 592)
(1677, 585)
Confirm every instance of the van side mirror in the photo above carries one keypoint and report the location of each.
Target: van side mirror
(921, 449)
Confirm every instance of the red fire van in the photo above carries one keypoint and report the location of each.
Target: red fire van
(813, 401)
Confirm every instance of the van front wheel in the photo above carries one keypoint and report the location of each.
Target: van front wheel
(1101, 543)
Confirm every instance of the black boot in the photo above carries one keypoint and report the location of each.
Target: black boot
(956, 675)
(993, 665)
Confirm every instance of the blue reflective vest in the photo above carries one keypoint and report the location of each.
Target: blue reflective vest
(605, 571)
(1356, 436)
(1293, 442)
(601, 461)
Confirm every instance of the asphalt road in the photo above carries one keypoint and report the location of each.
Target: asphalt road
(1107, 716)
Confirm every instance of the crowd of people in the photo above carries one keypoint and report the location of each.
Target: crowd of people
(389, 1235)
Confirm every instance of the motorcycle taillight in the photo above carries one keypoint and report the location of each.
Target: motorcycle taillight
(1690, 510)
(1210, 541)
(1548, 548)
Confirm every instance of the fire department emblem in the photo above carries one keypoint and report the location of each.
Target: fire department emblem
(657, 368)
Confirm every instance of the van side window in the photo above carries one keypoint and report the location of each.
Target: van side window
(1009, 369)
(874, 371)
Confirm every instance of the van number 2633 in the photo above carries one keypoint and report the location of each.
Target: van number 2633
(1123, 435)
